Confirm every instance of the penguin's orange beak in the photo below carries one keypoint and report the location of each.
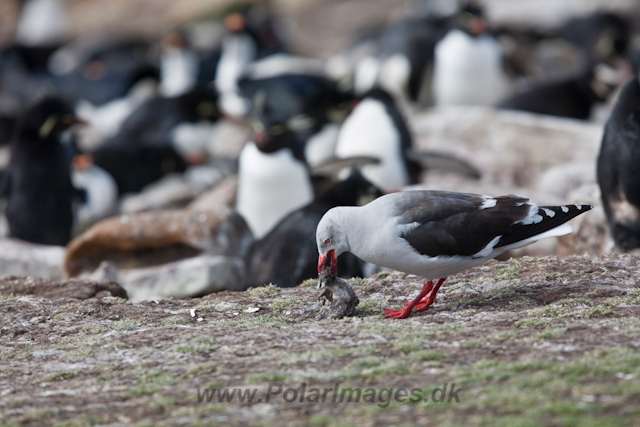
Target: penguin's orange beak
(330, 259)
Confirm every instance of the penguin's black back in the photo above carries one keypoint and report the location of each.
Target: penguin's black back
(154, 120)
(619, 168)
(133, 166)
(288, 254)
(571, 98)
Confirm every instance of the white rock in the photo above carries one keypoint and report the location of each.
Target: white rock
(191, 277)
(19, 258)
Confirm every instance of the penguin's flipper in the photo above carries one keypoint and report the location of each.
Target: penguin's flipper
(334, 165)
(432, 160)
(81, 195)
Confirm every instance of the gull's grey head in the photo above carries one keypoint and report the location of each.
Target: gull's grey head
(331, 239)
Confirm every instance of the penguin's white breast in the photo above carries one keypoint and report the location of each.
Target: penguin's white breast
(468, 71)
(270, 187)
(370, 131)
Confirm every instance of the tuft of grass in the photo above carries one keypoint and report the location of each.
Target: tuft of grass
(263, 321)
(94, 328)
(381, 274)
(201, 345)
(152, 382)
(284, 304)
(369, 307)
(382, 371)
(504, 336)
(551, 333)
(521, 303)
(479, 342)
(550, 311)
(367, 362)
(263, 292)
(206, 305)
(356, 281)
(575, 302)
(531, 323)
(595, 312)
(127, 325)
(321, 420)
(309, 283)
(428, 355)
(511, 271)
(173, 321)
(629, 299)
(268, 377)
(61, 376)
(200, 370)
(338, 352)
(407, 346)
(162, 402)
(65, 316)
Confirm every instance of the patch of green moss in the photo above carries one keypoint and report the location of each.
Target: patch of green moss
(263, 292)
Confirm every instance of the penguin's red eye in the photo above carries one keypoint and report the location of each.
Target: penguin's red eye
(327, 241)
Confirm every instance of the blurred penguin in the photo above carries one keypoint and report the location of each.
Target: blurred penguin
(619, 169)
(178, 66)
(270, 186)
(43, 23)
(400, 58)
(573, 97)
(469, 63)
(376, 128)
(295, 119)
(287, 255)
(38, 182)
(239, 50)
(100, 189)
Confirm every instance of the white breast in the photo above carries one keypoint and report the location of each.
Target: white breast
(102, 193)
(468, 71)
(178, 72)
(370, 131)
(192, 138)
(238, 51)
(270, 186)
(321, 146)
(107, 119)
(43, 23)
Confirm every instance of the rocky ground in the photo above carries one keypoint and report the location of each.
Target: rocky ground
(533, 341)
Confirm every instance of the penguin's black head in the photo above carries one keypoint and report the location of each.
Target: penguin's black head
(288, 109)
(356, 190)
(472, 19)
(47, 119)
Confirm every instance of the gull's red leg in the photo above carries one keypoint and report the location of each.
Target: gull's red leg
(406, 311)
(431, 298)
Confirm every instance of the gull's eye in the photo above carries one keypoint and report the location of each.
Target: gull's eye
(327, 241)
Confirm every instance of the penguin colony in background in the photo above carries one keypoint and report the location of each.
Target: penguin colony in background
(90, 121)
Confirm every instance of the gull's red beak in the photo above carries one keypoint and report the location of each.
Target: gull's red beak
(328, 258)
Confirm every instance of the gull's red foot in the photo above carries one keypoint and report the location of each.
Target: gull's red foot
(430, 291)
(422, 303)
(397, 314)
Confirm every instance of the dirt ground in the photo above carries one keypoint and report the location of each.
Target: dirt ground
(528, 342)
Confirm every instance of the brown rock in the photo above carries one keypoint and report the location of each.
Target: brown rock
(223, 194)
(153, 238)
